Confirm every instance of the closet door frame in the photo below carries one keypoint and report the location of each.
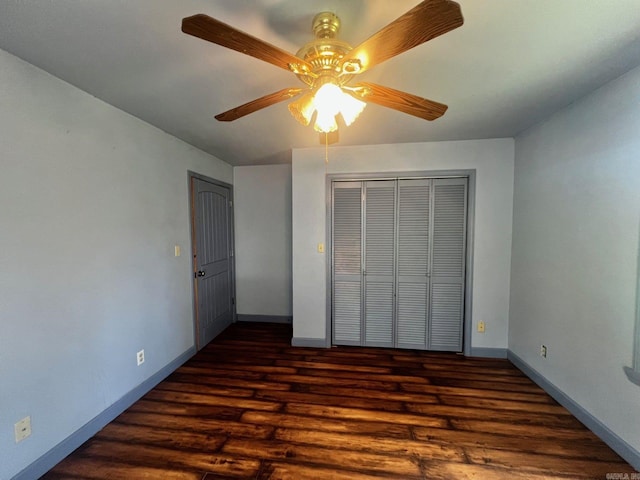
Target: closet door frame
(363, 177)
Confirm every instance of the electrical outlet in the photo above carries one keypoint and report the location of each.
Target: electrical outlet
(543, 351)
(22, 429)
(140, 357)
(481, 327)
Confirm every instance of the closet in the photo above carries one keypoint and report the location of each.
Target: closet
(398, 262)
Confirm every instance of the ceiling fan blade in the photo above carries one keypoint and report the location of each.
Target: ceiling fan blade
(401, 101)
(212, 30)
(425, 21)
(258, 104)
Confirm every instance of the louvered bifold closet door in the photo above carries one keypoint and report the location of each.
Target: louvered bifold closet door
(414, 198)
(379, 263)
(347, 263)
(448, 264)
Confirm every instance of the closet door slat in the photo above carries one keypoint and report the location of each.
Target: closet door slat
(448, 264)
(414, 215)
(379, 262)
(347, 263)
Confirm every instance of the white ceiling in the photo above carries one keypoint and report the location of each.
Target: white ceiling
(512, 63)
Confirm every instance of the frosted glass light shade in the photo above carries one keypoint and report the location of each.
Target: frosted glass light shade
(329, 101)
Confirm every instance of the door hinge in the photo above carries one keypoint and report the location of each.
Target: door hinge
(231, 203)
(233, 300)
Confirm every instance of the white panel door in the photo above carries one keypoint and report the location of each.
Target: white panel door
(213, 259)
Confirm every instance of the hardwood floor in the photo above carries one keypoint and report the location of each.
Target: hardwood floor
(251, 406)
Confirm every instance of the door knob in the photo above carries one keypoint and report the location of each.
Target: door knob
(201, 273)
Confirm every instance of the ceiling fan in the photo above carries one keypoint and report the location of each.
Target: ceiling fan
(327, 65)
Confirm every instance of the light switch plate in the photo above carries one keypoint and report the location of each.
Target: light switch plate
(321, 248)
(177, 250)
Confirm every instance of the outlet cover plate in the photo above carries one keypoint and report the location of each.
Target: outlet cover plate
(22, 429)
(140, 357)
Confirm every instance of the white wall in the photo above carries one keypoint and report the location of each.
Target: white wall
(493, 162)
(575, 247)
(92, 202)
(262, 201)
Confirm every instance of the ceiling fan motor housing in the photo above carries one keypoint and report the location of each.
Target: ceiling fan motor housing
(326, 52)
(326, 25)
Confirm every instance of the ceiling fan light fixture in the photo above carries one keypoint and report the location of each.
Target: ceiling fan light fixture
(303, 109)
(329, 101)
(351, 108)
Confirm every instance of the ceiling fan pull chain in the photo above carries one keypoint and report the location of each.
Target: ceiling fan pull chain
(326, 151)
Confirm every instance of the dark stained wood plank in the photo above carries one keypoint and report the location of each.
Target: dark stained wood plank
(576, 448)
(340, 382)
(215, 390)
(378, 444)
(343, 401)
(290, 471)
(401, 467)
(579, 468)
(187, 409)
(324, 424)
(251, 350)
(346, 353)
(95, 468)
(523, 419)
(485, 385)
(371, 394)
(221, 463)
(241, 369)
(486, 377)
(195, 368)
(228, 382)
(364, 376)
(334, 366)
(461, 471)
(170, 396)
(492, 403)
(389, 362)
(537, 397)
(549, 432)
(366, 415)
(197, 424)
(370, 353)
(474, 367)
(161, 437)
